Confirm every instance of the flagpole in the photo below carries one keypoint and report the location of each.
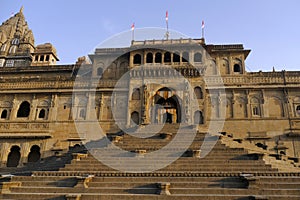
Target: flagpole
(132, 29)
(202, 27)
(167, 23)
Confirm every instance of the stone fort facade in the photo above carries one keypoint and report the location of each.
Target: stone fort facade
(38, 107)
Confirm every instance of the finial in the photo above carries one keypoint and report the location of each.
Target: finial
(21, 9)
(273, 69)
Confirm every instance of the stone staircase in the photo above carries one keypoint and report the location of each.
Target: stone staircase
(224, 173)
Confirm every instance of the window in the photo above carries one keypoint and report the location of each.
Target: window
(3, 48)
(82, 113)
(135, 118)
(36, 58)
(10, 63)
(47, 57)
(167, 57)
(136, 94)
(99, 71)
(42, 114)
(176, 57)
(149, 58)
(158, 58)
(236, 68)
(198, 117)
(24, 109)
(185, 57)
(42, 58)
(4, 114)
(198, 57)
(13, 49)
(255, 111)
(198, 92)
(137, 59)
(15, 41)
(298, 109)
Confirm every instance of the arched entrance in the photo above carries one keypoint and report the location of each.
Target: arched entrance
(13, 157)
(34, 154)
(135, 119)
(198, 117)
(166, 107)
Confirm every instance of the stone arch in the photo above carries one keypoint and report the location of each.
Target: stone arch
(197, 57)
(166, 106)
(275, 107)
(24, 109)
(198, 117)
(13, 49)
(237, 66)
(34, 154)
(136, 94)
(3, 47)
(176, 57)
(4, 114)
(198, 92)
(14, 156)
(185, 56)
(158, 57)
(225, 66)
(135, 118)
(228, 108)
(149, 58)
(255, 106)
(167, 57)
(42, 113)
(240, 108)
(137, 59)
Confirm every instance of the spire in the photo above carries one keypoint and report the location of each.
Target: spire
(21, 9)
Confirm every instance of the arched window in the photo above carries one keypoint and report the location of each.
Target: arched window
(176, 57)
(198, 117)
(47, 58)
(15, 41)
(137, 59)
(82, 113)
(24, 109)
(4, 114)
(198, 92)
(135, 119)
(158, 58)
(236, 68)
(12, 49)
(185, 57)
(149, 58)
(42, 114)
(136, 94)
(42, 57)
(13, 157)
(255, 111)
(167, 57)
(298, 109)
(3, 48)
(198, 57)
(34, 154)
(99, 71)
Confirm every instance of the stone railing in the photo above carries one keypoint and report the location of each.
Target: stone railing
(5, 126)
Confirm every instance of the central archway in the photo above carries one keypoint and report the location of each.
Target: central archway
(166, 107)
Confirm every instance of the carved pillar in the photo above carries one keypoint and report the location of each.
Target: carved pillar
(53, 108)
(14, 109)
(131, 60)
(33, 107)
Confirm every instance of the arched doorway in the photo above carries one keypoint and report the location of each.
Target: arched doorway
(198, 117)
(13, 157)
(34, 154)
(166, 107)
(135, 119)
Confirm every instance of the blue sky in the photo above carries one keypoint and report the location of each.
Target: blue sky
(270, 28)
